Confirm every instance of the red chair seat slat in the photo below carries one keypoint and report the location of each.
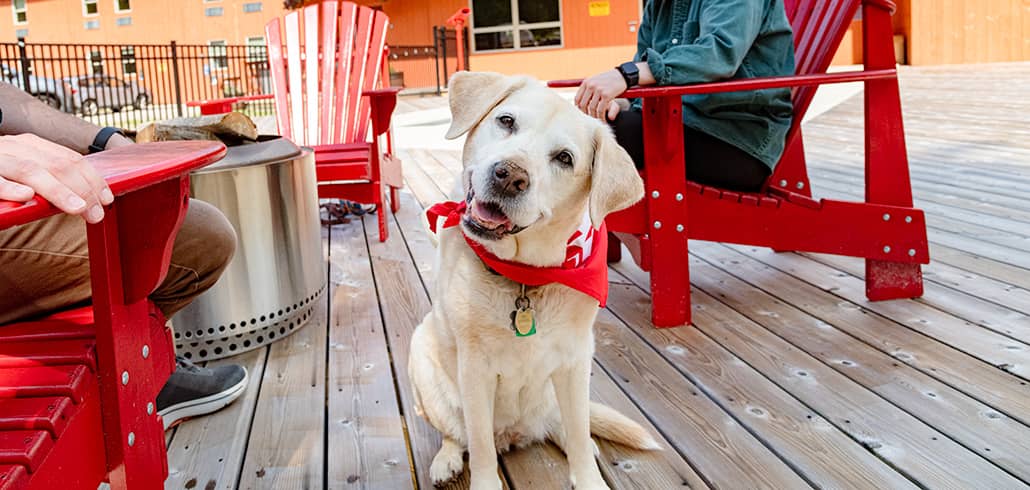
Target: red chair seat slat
(342, 171)
(46, 413)
(69, 381)
(13, 477)
(29, 354)
(25, 447)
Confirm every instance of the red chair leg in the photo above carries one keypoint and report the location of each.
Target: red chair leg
(886, 166)
(666, 191)
(381, 212)
(892, 280)
(395, 202)
(614, 249)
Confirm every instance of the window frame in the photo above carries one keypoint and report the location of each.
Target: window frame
(95, 3)
(24, 10)
(225, 54)
(124, 60)
(126, 11)
(95, 63)
(261, 6)
(514, 28)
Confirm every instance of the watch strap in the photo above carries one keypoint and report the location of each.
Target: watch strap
(100, 141)
(630, 73)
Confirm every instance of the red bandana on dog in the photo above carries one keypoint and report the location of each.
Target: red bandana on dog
(585, 268)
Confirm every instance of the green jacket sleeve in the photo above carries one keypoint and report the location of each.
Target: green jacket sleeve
(644, 33)
(727, 30)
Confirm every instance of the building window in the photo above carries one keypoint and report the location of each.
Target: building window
(90, 8)
(121, 6)
(218, 55)
(21, 33)
(92, 25)
(123, 21)
(129, 60)
(96, 62)
(20, 11)
(515, 24)
(213, 11)
(252, 7)
(256, 50)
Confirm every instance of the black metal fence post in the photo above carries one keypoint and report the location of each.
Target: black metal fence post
(436, 57)
(175, 79)
(25, 66)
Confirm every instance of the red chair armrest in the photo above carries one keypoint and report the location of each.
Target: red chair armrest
(383, 103)
(747, 83)
(221, 106)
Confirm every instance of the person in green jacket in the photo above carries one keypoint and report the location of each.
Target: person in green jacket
(732, 140)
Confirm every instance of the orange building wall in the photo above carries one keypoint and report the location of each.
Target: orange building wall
(969, 31)
(153, 21)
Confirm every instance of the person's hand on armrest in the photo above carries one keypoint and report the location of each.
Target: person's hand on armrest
(596, 95)
(30, 165)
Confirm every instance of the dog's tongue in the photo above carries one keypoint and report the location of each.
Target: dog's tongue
(490, 216)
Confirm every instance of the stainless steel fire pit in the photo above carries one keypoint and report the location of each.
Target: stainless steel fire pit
(269, 194)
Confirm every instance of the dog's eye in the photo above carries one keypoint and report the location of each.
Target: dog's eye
(506, 121)
(564, 157)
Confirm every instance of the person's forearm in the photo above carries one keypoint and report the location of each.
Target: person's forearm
(22, 113)
(646, 77)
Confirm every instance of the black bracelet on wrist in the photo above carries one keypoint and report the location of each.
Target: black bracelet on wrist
(100, 142)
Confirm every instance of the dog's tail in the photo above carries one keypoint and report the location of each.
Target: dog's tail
(606, 423)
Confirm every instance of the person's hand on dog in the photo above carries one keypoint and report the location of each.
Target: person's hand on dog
(596, 95)
(30, 165)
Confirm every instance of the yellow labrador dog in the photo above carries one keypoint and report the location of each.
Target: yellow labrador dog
(534, 167)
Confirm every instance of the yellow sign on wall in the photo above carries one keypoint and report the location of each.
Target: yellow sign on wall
(600, 9)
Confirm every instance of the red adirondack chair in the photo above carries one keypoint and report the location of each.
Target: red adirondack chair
(885, 229)
(326, 98)
(77, 389)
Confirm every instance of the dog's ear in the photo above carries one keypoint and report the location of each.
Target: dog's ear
(615, 183)
(473, 94)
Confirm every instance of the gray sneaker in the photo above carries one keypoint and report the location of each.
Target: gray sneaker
(192, 391)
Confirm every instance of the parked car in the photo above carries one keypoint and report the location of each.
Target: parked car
(91, 93)
(48, 90)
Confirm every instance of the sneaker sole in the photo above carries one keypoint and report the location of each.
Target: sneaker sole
(177, 414)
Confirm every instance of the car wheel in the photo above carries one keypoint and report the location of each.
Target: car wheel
(90, 107)
(142, 101)
(49, 100)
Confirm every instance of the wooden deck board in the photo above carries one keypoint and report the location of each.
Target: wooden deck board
(788, 379)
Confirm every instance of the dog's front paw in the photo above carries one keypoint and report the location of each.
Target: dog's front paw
(447, 464)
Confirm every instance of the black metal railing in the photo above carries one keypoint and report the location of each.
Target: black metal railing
(130, 85)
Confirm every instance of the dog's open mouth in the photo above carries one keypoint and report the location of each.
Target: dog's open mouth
(486, 219)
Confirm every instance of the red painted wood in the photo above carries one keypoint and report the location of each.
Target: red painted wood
(748, 83)
(667, 215)
(39, 413)
(28, 354)
(126, 169)
(345, 47)
(886, 161)
(361, 32)
(327, 75)
(886, 229)
(277, 69)
(53, 330)
(24, 447)
(13, 477)
(373, 69)
(69, 381)
(295, 76)
(76, 461)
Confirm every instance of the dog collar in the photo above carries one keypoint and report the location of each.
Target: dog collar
(585, 268)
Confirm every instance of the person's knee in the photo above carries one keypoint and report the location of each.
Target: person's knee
(212, 236)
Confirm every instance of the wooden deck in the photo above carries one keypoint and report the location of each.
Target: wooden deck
(789, 378)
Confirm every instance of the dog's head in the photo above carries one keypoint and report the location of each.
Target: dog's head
(533, 163)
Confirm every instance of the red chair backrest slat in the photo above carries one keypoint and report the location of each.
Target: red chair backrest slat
(819, 26)
(334, 52)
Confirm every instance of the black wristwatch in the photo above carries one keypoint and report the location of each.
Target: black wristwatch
(100, 142)
(630, 73)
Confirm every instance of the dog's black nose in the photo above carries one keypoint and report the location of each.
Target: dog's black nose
(510, 179)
